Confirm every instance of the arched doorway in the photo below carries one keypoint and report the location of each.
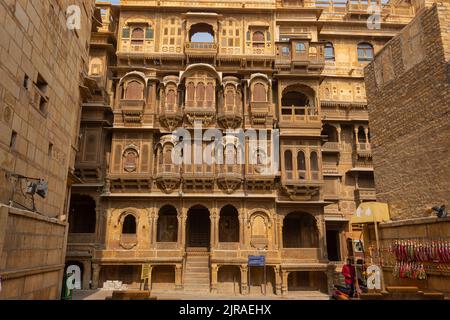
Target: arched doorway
(229, 224)
(198, 227)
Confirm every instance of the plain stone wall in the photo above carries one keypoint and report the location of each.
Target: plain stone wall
(409, 114)
(31, 255)
(34, 39)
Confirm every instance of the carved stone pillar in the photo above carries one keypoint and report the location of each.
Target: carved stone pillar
(178, 277)
(339, 130)
(284, 282)
(244, 277)
(214, 272)
(154, 228)
(181, 230)
(278, 280)
(242, 243)
(280, 232)
(320, 223)
(356, 135)
(95, 275)
(213, 228)
(366, 133)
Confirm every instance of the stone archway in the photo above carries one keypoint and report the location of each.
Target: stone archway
(198, 227)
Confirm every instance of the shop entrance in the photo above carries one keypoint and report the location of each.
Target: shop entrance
(198, 228)
(333, 245)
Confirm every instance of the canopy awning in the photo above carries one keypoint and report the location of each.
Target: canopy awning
(369, 212)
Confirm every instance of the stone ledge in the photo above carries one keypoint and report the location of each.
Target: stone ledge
(413, 221)
(7, 275)
(32, 215)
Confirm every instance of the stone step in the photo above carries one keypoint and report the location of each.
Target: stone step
(196, 287)
(197, 270)
(197, 277)
(202, 258)
(197, 264)
(195, 282)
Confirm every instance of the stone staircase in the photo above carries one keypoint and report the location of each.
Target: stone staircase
(196, 273)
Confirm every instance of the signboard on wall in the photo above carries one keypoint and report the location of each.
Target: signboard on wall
(256, 261)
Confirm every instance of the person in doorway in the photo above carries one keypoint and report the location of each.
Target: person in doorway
(348, 271)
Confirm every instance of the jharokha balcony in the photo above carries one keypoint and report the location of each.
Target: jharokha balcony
(198, 177)
(202, 112)
(132, 110)
(230, 118)
(200, 49)
(364, 150)
(171, 118)
(168, 177)
(229, 176)
(331, 147)
(295, 114)
(260, 111)
(302, 185)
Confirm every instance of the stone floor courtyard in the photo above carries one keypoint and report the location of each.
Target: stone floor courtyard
(102, 294)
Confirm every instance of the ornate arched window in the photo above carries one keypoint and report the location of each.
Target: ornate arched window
(300, 48)
(171, 99)
(167, 227)
(137, 36)
(209, 92)
(129, 225)
(259, 231)
(229, 99)
(258, 39)
(229, 224)
(134, 90)
(259, 93)
(96, 67)
(130, 160)
(301, 165)
(329, 51)
(190, 91)
(313, 158)
(200, 92)
(365, 52)
(288, 164)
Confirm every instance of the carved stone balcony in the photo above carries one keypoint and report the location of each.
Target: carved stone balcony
(205, 115)
(365, 194)
(331, 147)
(364, 150)
(304, 189)
(201, 49)
(132, 111)
(229, 177)
(259, 178)
(360, 7)
(329, 168)
(312, 59)
(168, 177)
(260, 112)
(307, 116)
(230, 119)
(198, 177)
(88, 172)
(128, 182)
(171, 119)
